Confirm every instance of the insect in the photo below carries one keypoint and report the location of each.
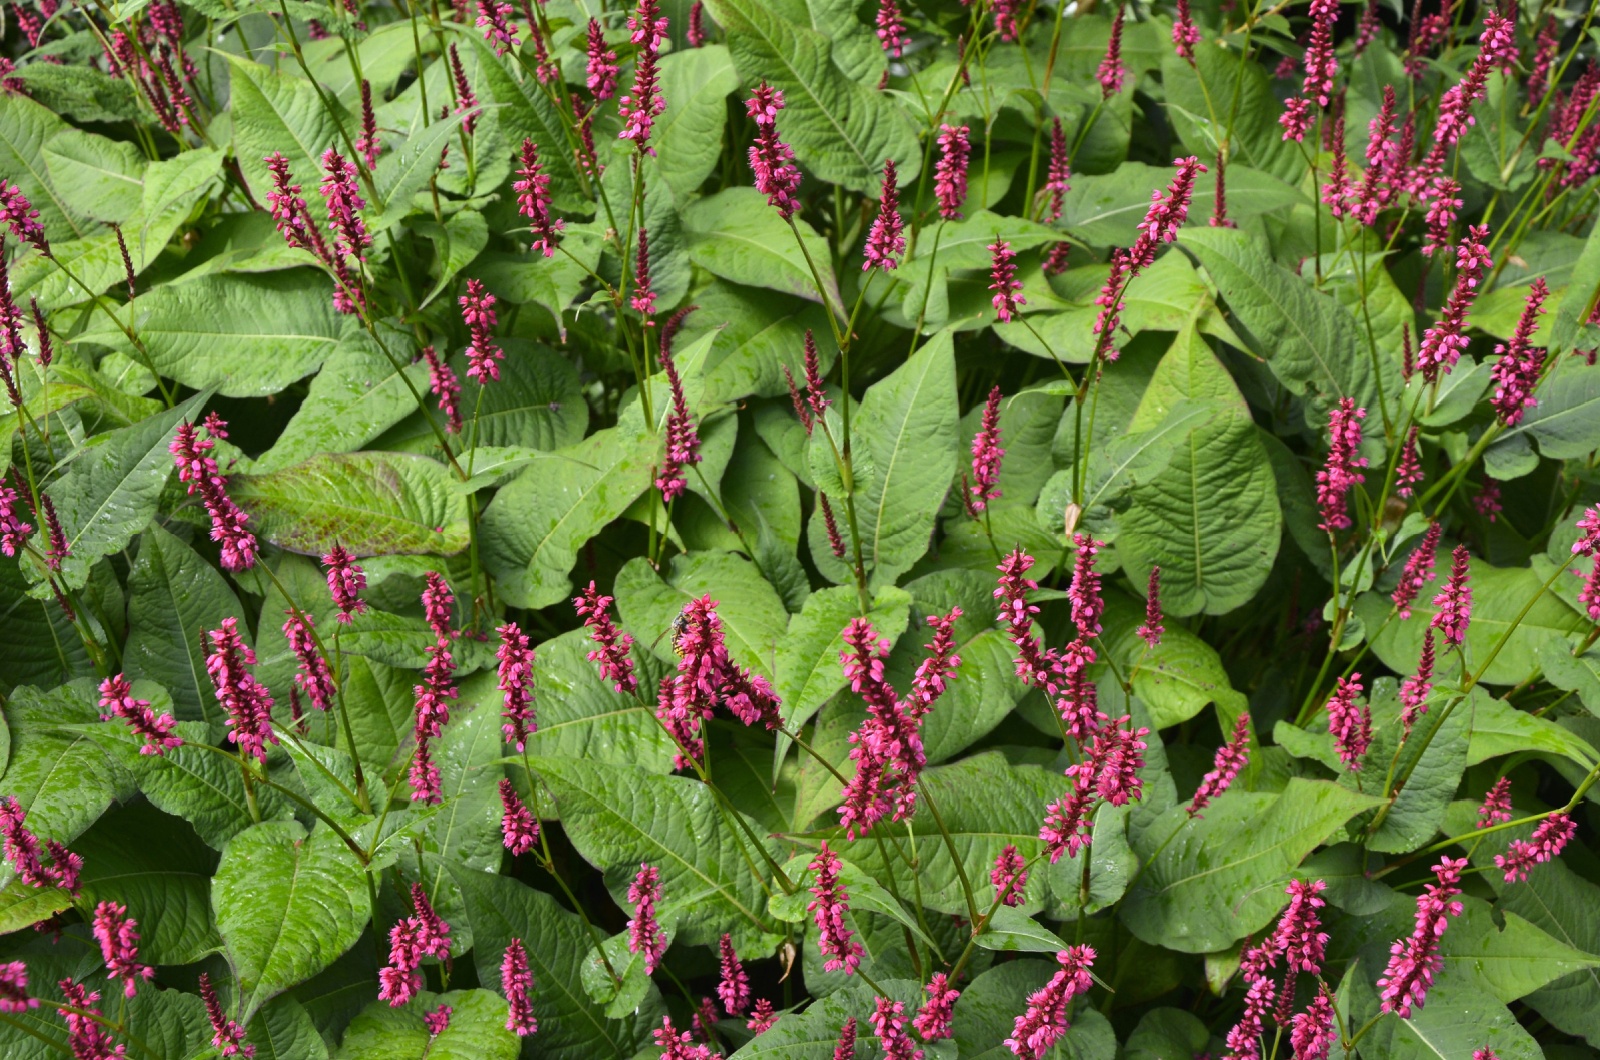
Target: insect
(680, 626)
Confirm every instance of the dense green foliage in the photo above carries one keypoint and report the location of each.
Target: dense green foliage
(1275, 370)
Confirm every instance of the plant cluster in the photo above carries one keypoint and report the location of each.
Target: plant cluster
(799, 528)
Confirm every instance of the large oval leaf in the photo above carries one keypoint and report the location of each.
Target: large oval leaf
(287, 905)
(371, 503)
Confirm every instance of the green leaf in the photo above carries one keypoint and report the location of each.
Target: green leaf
(571, 1026)
(1210, 519)
(1577, 305)
(278, 112)
(1499, 728)
(477, 1030)
(287, 905)
(841, 130)
(40, 646)
(202, 787)
(283, 1030)
(1564, 421)
(1222, 877)
(1459, 1019)
(403, 173)
(372, 503)
(356, 396)
(1175, 679)
(1249, 124)
(986, 1011)
(112, 489)
(986, 804)
(157, 867)
(1510, 961)
(106, 176)
(618, 817)
(688, 135)
(984, 688)
(1167, 1034)
(1419, 808)
(25, 127)
(245, 335)
(532, 530)
(1308, 340)
(1498, 597)
(908, 424)
(737, 236)
(753, 618)
(174, 598)
(581, 716)
(60, 778)
(466, 830)
(525, 112)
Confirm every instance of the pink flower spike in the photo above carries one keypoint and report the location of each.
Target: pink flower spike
(227, 1037)
(1009, 876)
(432, 933)
(647, 27)
(762, 1018)
(950, 172)
(1299, 938)
(772, 160)
(118, 936)
(1455, 602)
(675, 1046)
(1005, 19)
(14, 988)
(516, 982)
(892, 28)
(932, 1022)
(1341, 471)
(886, 241)
(1320, 64)
(1517, 370)
(1588, 543)
(533, 201)
(401, 979)
(643, 297)
(344, 204)
(601, 71)
(1414, 689)
(889, 1024)
(734, 987)
(1485, 1053)
(1414, 961)
(313, 677)
(829, 909)
(86, 1038)
(518, 826)
(611, 644)
(17, 212)
(1007, 288)
(196, 467)
(1312, 1033)
(494, 18)
(516, 685)
(1185, 35)
(116, 695)
(1548, 840)
(645, 936)
(444, 385)
(1231, 757)
(346, 581)
(1111, 74)
(643, 104)
(1152, 628)
(1349, 721)
(245, 700)
(1087, 603)
(1058, 175)
(1408, 475)
(1418, 571)
(437, 1021)
(1496, 808)
(1442, 344)
(682, 437)
(846, 1049)
(13, 531)
(483, 354)
(986, 456)
(21, 845)
(1589, 595)
(1045, 1022)
(695, 33)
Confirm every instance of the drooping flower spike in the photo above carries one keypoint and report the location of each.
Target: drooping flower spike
(116, 695)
